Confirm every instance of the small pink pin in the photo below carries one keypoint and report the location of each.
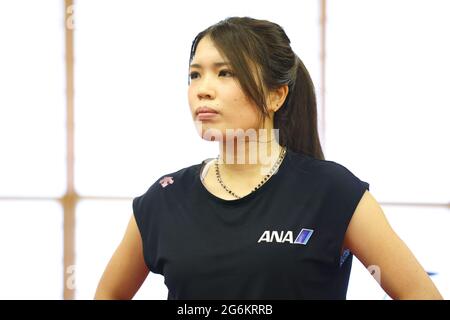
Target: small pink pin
(164, 182)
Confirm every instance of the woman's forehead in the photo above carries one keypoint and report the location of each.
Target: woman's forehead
(207, 53)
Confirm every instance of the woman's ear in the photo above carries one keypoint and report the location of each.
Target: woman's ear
(277, 98)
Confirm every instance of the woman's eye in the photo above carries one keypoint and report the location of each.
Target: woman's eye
(226, 72)
(193, 75)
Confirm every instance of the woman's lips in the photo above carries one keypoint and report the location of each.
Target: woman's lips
(206, 115)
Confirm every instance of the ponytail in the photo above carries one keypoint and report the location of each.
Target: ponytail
(297, 118)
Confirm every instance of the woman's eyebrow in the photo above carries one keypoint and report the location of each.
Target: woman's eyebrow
(215, 64)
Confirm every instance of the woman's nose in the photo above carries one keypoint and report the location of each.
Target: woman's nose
(205, 95)
(205, 91)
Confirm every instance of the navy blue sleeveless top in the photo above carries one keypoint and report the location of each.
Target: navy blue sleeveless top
(282, 241)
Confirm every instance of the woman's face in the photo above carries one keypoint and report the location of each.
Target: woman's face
(214, 86)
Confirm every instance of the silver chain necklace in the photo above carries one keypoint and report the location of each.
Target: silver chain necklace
(267, 176)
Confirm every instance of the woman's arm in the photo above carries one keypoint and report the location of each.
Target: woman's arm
(372, 240)
(126, 271)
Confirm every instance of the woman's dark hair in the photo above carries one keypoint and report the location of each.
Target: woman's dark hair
(263, 46)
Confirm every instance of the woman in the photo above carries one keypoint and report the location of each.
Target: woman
(269, 218)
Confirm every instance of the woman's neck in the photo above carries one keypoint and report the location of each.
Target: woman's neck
(247, 157)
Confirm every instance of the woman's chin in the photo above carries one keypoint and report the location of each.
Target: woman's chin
(208, 132)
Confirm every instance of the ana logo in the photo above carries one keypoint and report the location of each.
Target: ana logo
(288, 236)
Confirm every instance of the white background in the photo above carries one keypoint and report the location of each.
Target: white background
(386, 120)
